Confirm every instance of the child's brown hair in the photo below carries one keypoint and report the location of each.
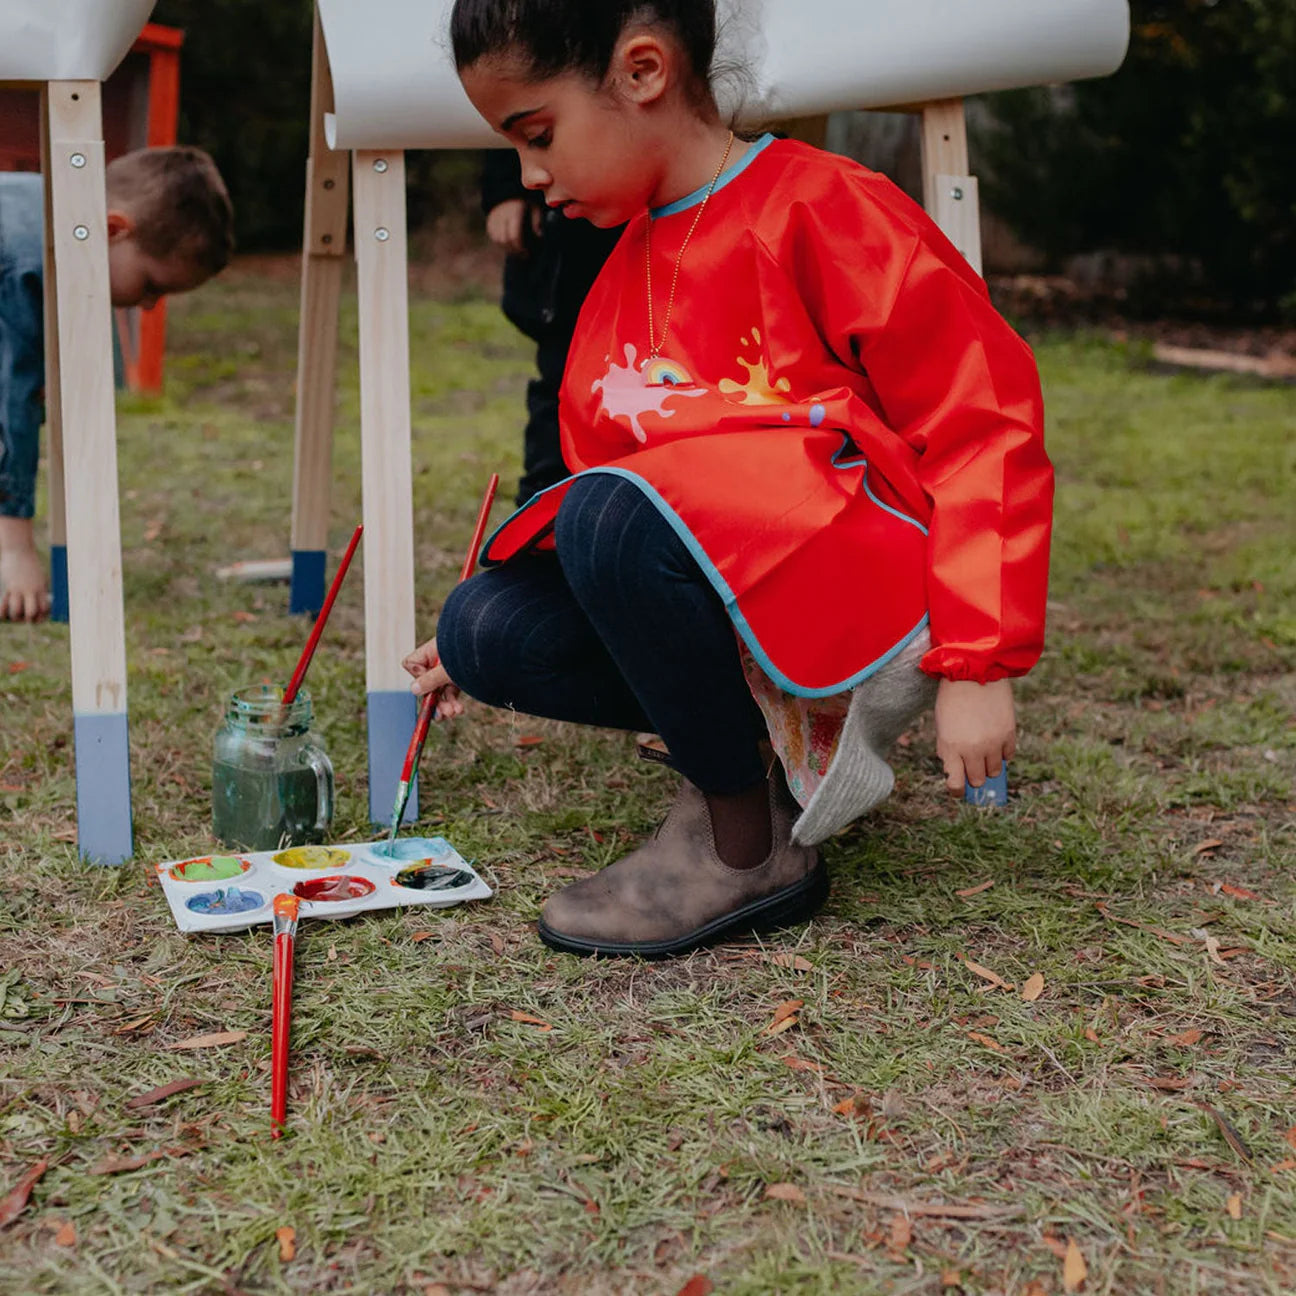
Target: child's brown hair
(178, 202)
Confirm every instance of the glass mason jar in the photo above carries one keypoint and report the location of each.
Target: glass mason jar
(272, 782)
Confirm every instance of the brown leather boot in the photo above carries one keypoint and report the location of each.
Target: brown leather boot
(675, 894)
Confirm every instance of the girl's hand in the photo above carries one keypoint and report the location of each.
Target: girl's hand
(976, 730)
(429, 676)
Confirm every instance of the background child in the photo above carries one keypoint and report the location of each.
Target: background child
(170, 228)
(551, 264)
(792, 414)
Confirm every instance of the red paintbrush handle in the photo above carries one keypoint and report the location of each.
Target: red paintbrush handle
(426, 709)
(480, 530)
(283, 976)
(318, 629)
(285, 909)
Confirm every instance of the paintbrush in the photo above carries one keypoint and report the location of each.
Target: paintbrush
(290, 693)
(285, 936)
(428, 707)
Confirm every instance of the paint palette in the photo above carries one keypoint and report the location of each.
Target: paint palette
(229, 892)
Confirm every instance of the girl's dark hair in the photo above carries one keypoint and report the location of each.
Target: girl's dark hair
(556, 36)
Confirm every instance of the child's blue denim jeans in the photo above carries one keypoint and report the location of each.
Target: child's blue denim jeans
(22, 339)
(619, 629)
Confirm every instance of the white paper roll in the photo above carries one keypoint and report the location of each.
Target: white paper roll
(67, 40)
(395, 86)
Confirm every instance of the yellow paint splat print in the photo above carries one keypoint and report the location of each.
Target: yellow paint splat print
(757, 390)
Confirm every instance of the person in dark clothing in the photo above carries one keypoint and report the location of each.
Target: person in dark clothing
(552, 263)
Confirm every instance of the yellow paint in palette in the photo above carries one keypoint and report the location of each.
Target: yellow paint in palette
(312, 857)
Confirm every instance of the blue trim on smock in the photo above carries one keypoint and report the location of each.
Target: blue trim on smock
(729, 173)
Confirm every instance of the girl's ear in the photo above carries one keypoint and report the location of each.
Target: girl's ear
(642, 67)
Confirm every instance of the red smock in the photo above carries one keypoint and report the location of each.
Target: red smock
(841, 428)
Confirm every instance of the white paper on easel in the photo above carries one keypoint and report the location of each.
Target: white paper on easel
(67, 40)
(395, 86)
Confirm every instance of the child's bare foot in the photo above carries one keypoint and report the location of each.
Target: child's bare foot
(24, 595)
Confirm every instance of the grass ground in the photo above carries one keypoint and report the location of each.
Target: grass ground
(920, 1126)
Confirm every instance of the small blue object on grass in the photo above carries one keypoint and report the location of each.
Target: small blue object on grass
(993, 792)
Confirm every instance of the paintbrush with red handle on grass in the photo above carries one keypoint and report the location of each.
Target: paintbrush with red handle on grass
(308, 652)
(428, 706)
(285, 937)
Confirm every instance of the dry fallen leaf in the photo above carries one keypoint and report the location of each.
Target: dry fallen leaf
(986, 1040)
(1170, 1084)
(66, 1236)
(1035, 1288)
(1237, 892)
(287, 1236)
(161, 1093)
(784, 1192)
(698, 1285)
(1234, 1206)
(528, 740)
(15, 1200)
(1213, 950)
(976, 890)
(1231, 1136)
(528, 1020)
(1185, 1039)
(793, 961)
(120, 1164)
(214, 1040)
(420, 936)
(778, 1027)
(951, 1278)
(986, 974)
(1290, 1136)
(1091, 1035)
(1033, 987)
(1074, 1269)
(786, 1009)
(1202, 847)
(1055, 1244)
(901, 1233)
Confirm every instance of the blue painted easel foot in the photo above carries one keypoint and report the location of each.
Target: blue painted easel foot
(993, 792)
(306, 593)
(103, 788)
(58, 583)
(392, 717)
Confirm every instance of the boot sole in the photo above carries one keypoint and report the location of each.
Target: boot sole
(794, 904)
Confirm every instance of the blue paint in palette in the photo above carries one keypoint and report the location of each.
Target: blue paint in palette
(226, 900)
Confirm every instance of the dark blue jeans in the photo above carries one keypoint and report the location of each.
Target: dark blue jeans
(619, 629)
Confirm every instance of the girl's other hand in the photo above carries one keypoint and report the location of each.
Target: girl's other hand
(976, 730)
(429, 675)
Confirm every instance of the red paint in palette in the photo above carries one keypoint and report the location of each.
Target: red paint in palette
(335, 888)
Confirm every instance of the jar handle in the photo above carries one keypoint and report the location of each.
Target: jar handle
(323, 768)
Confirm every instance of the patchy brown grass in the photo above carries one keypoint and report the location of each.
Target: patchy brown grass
(917, 1127)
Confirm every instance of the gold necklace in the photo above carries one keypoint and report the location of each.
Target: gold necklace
(654, 347)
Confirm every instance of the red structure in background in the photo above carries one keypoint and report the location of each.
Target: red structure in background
(141, 105)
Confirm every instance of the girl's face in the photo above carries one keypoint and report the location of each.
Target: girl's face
(582, 146)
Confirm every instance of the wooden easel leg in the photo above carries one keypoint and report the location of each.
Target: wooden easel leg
(949, 192)
(323, 246)
(53, 403)
(74, 167)
(378, 181)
